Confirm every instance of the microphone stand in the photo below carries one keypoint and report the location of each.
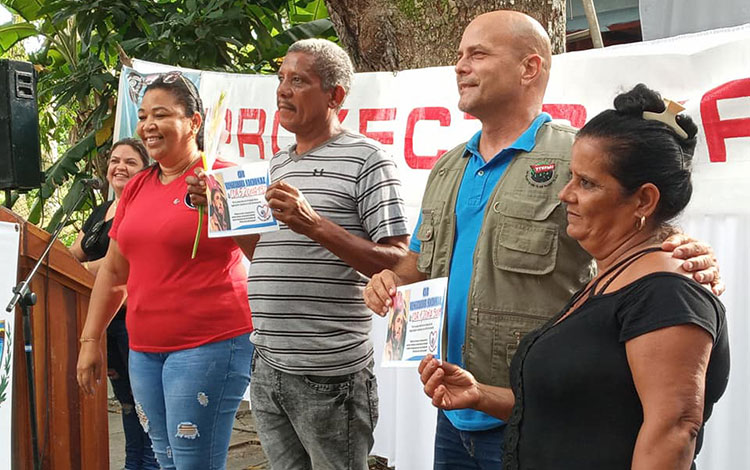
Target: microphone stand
(23, 295)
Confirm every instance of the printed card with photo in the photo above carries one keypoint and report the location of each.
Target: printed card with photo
(237, 201)
(415, 323)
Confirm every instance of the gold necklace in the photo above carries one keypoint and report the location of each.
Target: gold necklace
(163, 175)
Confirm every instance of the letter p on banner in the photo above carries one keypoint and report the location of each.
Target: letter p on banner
(718, 130)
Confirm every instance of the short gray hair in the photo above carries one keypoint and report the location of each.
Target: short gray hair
(331, 62)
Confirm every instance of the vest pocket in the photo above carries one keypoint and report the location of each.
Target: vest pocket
(526, 205)
(525, 247)
(492, 340)
(426, 237)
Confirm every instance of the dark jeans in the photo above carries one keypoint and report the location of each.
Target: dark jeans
(138, 452)
(308, 422)
(467, 450)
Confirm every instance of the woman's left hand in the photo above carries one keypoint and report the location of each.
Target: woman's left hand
(699, 259)
(449, 386)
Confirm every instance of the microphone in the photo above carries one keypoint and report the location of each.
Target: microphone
(93, 183)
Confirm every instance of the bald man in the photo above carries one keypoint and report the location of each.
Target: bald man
(491, 219)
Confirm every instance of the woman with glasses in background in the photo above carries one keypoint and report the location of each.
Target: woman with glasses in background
(126, 158)
(188, 319)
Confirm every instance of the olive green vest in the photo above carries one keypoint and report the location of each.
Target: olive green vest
(525, 266)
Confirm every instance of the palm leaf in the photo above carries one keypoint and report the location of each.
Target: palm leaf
(13, 33)
(28, 9)
(69, 205)
(313, 29)
(60, 171)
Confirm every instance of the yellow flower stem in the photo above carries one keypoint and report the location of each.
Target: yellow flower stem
(200, 214)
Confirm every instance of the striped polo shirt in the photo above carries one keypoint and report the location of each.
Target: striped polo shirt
(307, 307)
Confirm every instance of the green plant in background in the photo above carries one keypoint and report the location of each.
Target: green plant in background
(5, 360)
(82, 44)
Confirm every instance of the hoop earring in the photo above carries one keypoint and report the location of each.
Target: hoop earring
(640, 223)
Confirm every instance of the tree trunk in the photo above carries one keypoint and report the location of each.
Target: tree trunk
(404, 34)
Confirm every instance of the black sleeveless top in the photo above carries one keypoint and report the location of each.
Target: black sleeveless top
(95, 241)
(576, 404)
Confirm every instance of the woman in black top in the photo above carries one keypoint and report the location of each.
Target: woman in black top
(626, 375)
(126, 158)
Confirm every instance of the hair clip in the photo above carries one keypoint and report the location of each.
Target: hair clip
(668, 116)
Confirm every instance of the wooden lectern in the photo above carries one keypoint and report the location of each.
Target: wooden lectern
(72, 426)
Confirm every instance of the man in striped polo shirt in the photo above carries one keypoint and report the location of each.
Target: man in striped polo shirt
(337, 196)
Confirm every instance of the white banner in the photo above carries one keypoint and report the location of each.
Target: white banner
(9, 240)
(413, 114)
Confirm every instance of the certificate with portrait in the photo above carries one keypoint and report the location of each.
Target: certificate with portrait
(415, 323)
(237, 201)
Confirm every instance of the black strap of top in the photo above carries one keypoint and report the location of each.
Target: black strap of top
(623, 265)
(620, 266)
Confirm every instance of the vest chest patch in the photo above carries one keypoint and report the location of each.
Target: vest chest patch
(541, 174)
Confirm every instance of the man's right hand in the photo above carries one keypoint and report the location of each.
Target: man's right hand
(196, 187)
(380, 290)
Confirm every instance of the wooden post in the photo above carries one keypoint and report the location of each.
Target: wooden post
(596, 33)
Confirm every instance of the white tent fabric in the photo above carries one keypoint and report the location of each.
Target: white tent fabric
(666, 18)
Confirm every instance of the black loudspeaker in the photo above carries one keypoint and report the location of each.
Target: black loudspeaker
(20, 160)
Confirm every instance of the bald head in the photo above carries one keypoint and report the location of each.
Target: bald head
(503, 64)
(526, 34)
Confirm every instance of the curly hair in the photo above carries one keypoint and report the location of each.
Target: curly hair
(331, 62)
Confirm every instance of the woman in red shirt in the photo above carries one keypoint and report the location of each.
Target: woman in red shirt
(188, 319)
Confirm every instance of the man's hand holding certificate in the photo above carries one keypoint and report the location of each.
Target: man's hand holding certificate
(415, 323)
(237, 201)
(290, 207)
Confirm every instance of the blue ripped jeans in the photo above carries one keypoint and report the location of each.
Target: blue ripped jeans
(138, 452)
(187, 400)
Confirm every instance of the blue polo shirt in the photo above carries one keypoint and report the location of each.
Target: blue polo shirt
(478, 183)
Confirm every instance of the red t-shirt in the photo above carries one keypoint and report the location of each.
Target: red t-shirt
(175, 302)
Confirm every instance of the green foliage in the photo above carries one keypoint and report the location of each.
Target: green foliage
(58, 173)
(27, 9)
(80, 53)
(10, 34)
(5, 366)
